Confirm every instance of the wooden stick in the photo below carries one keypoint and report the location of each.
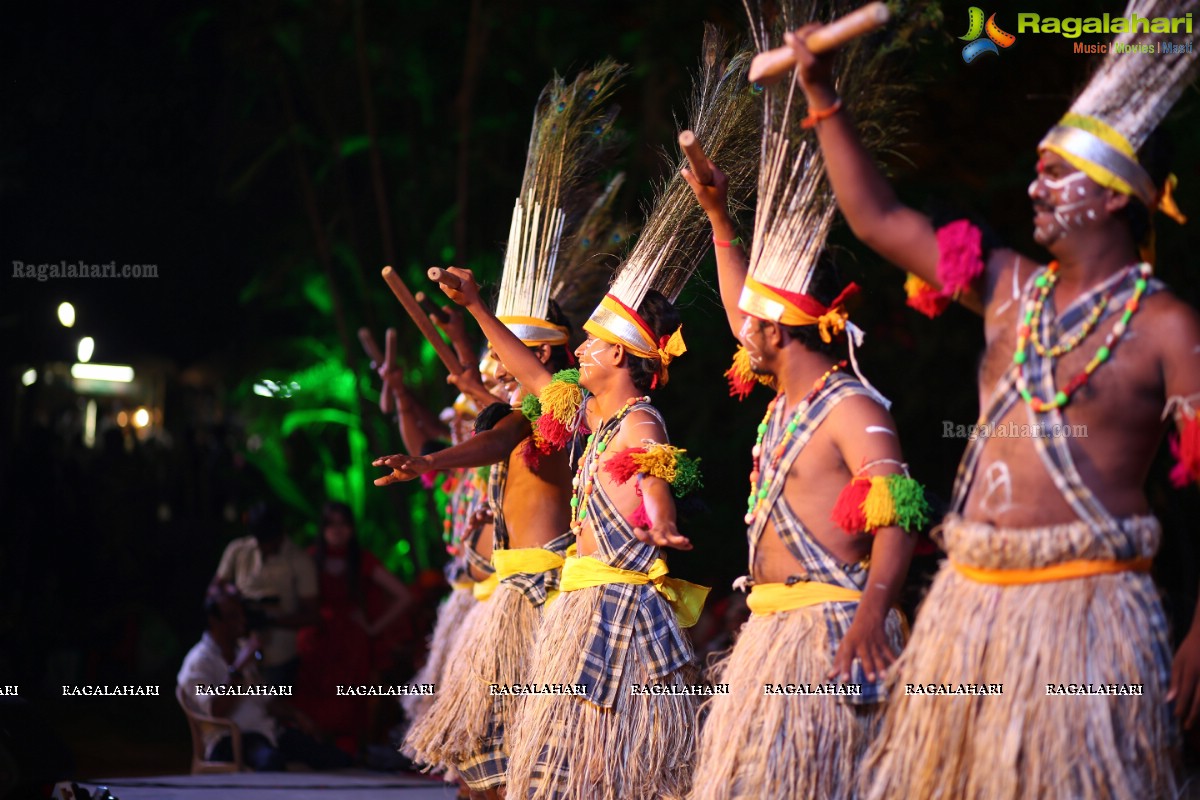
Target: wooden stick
(371, 347)
(443, 277)
(770, 65)
(377, 360)
(418, 316)
(697, 161)
(431, 308)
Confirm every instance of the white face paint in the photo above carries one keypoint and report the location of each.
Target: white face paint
(587, 355)
(753, 349)
(880, 429)
(997, 488)
(1063, 204)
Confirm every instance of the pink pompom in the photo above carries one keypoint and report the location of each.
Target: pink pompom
(960, 256)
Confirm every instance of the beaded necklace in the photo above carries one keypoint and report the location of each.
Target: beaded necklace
(464, 491)
(1027, 332)
(589, 462)
(759, 490)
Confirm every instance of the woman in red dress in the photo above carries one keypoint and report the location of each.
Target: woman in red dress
(338, 651)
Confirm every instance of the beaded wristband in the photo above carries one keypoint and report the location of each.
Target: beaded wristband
(737, 240)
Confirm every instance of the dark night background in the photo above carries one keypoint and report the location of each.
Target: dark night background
(238, 146)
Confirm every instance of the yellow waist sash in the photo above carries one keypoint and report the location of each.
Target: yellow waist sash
(525, 559)
(1066, 571)
(772, 598)
(687, 599)
(483, 589)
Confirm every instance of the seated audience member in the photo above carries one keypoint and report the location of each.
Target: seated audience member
(279, 582)
(273, 732)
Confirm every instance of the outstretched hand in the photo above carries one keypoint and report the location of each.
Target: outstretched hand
(404, 468)
(663, 534)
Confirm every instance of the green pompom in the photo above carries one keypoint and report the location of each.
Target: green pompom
(567, 376)
(687, 475)
(531, 407)
(908, 497)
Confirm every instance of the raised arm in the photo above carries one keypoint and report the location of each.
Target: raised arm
(418, 425)
(480, 450)
(516, 357)
(864, 434)
(469, 381)
(866, 199)
(732, 263)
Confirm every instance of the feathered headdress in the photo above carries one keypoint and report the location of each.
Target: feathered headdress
(589, 261)
(795, 203)
(571, 141)
(675, 237)
(1122, 104)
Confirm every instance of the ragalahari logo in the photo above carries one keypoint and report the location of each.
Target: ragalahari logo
(996, 38)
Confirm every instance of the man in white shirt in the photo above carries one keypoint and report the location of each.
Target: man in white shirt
(280, 580)
(218, 660)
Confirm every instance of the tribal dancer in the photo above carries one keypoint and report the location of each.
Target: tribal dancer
(1048, 580)
(421, 431)
(617, 625)
(830, 496)
(528, 490)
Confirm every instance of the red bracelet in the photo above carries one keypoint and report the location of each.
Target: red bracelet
(737, 240)
(825, 113)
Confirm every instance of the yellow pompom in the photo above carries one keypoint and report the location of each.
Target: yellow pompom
(878, 508)
(658, 460)
(740, 369)
(915, 287)
(562, 400)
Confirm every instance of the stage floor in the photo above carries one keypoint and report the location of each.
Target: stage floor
(356, 784)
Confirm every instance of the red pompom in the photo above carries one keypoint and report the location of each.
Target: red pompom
(622, 465)
(639, 518)
(1186, 450)
(929, 302)
(847, 511)
(554, 434)
(531, 455)
(427, 479)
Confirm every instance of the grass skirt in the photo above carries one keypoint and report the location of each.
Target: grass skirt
(774, 746)
(1024, 744)
(465, 720)
(562, 746)
(450, 617)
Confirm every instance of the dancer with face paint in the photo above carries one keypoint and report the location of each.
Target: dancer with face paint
(528, 490)
(617, 626)
(1053, 587)
(824, 575)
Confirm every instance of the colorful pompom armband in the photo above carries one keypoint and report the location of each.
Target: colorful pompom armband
(554, 414)
(660, 460)
(960, 263)
(1186, 448)
(880, 501)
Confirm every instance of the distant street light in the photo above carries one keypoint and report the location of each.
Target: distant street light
(66, 314)
(114, 373)
(29, 377)
(87, 346)
(141, 418)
